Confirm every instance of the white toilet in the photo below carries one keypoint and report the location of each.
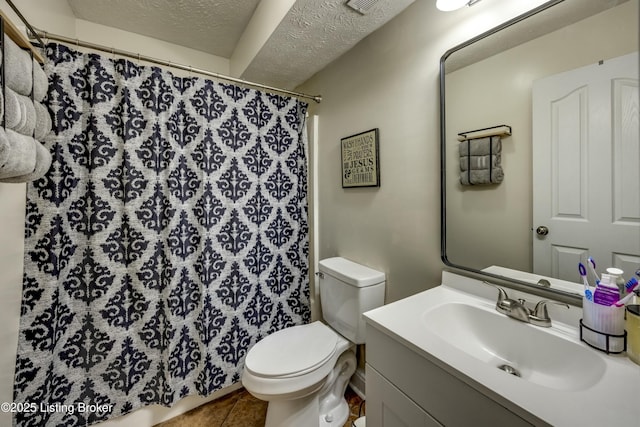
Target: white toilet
(303, 371)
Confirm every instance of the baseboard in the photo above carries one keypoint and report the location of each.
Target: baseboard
(357, 383)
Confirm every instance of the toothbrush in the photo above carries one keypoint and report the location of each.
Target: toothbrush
(631, 284)
(592, 267)
(583, 273)
(623, 301)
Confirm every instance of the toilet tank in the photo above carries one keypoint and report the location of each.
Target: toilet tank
(347, 290)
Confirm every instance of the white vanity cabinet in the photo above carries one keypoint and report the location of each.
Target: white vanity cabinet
(404, 388)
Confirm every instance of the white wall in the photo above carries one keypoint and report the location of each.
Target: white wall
(56, 17)
(390, 81)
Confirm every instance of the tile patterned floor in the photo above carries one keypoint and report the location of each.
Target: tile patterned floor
(241, 409)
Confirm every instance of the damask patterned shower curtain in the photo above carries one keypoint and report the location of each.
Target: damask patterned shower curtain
(169, 235)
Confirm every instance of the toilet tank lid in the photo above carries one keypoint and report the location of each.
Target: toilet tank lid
(350, 272)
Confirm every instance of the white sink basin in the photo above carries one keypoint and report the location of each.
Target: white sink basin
(537, 355)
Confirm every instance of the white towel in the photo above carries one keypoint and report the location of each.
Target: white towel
(43, 163)
(20, 154)
(28, 119)
(5, 148)
(20, 113)
(13, 112)
(43, 121)
(18, 68)
(40, 82)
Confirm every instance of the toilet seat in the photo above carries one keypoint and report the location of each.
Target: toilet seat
(292, 352)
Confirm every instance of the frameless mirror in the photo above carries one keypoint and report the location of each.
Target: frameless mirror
(564, 78)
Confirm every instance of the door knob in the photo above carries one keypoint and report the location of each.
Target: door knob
(542, 231)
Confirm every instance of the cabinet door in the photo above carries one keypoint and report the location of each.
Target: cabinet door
(437, 390)
(389, 407)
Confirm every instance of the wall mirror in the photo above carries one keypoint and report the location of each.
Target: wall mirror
(564, 78)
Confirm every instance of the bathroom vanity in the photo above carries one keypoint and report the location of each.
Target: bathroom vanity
(440, 357)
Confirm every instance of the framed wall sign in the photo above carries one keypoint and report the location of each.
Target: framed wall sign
(360, 160)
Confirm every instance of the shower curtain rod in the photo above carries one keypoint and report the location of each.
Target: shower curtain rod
(39, 34)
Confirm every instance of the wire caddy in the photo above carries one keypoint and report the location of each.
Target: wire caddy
(603, 341)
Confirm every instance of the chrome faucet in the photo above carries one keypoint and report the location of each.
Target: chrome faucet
(517, 309)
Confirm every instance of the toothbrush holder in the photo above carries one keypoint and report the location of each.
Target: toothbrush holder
(602, 327)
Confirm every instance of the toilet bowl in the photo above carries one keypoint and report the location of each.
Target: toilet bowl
(303, 371)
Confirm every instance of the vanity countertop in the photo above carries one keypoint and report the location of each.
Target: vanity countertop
(610, 400)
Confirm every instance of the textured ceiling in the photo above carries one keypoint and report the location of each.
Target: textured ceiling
(212, 26)
(312, 34)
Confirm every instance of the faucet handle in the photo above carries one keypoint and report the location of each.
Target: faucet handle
(506, 305)
(502, 294)
(541, 307)
(540, 315)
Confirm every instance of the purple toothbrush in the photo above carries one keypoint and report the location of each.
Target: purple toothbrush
(583, 273)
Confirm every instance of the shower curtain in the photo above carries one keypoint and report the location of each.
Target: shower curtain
(169, 235)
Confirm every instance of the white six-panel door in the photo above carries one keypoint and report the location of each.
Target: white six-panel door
(586, 169)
